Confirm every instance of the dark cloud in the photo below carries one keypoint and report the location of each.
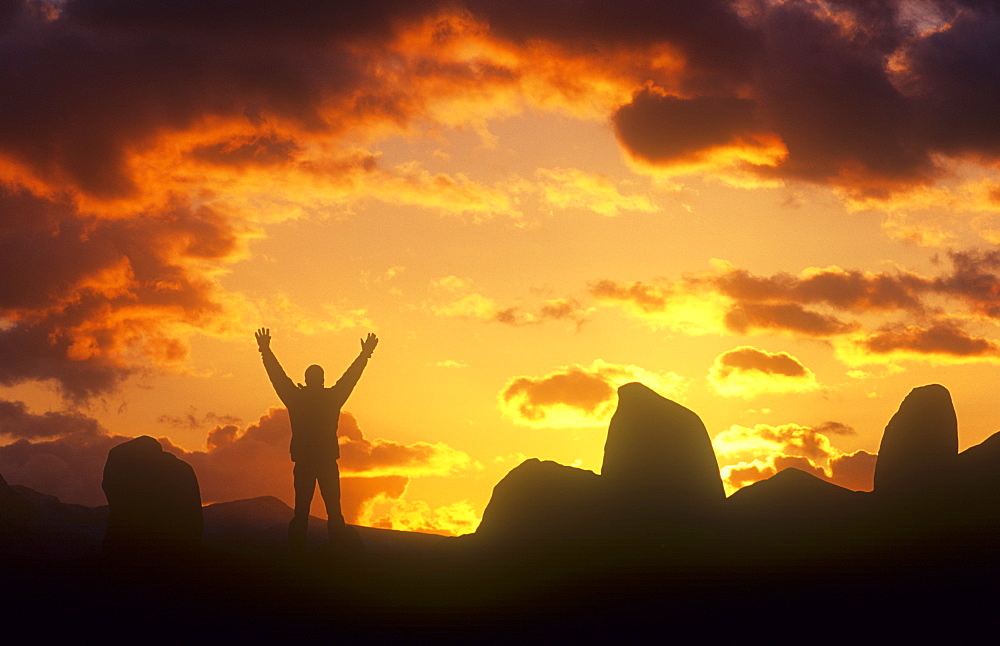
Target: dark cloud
(943, 339)
(106, 77)
(954, 74)
(974, 279)
(249, 20)
(849, 290)
(748, 358)
(17, 422)
(822, 87)
(862, 94)
(790, 317)
(31, 353)
(664, 129)
(709, 35)
(83, 296)
(835, 428)
(926, 315)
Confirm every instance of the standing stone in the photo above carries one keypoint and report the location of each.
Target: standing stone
(658, 454)
(154, 502)
(920, 445)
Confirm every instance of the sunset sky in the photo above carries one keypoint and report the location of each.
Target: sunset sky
(783, 215)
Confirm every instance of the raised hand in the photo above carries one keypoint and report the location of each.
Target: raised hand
(368, 344)
(263, 337)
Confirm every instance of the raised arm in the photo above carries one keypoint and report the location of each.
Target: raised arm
(350, 378)
(282, 384)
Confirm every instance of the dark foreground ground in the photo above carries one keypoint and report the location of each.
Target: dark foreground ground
(463, 593)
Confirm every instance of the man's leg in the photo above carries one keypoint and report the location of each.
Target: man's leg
(304, 480)
(329, 487)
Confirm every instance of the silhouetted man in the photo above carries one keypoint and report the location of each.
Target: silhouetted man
(314, 412)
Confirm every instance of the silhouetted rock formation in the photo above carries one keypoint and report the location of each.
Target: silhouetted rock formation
(920, 444)
(15, 517)
(791, 492)
(659, 454)
(39, 526)
(661, 476)
(978, 468)
(659, 485)
(795, 516)
(154, 502)
(14, 510)
(543, 503)
(970, 500)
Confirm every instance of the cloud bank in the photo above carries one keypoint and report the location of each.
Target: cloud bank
(141, 142)
(868, 317)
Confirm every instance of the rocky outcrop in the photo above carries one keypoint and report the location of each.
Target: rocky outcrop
(15, 511)
(974, 493)
(659, 476)
(541, 503)
(154, 502)
(795, 517)
(791, 492)
(920, 444)
(978, 467)
(659, 454)
(34, 525)
(15, 518)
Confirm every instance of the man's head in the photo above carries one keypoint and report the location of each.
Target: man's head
(314, 376)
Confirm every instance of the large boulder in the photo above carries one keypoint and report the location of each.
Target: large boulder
(154, 502)
(920, 444)
(542, 504)
(659, 481)
(659, 455)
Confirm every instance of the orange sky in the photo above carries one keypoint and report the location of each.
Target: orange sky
(781, 214)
